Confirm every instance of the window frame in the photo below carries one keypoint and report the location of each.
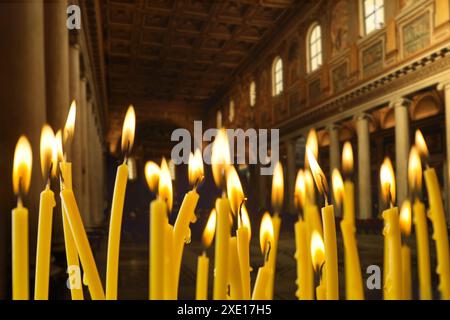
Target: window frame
(319, 51)
(372, 15)
(252, 93)
(277, 76)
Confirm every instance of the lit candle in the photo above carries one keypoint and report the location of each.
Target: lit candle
(437, 217)
(22, 165)
(115, 224)
(349, 187)
(201, 292)
(329, 230)
(220, 161)
(234, 271)
(420, 223)
(46, 205)
(353, 278)
(305, 276)
(159, 209)
(391, 232)
(405, 226)
(277, 204)
(186, 215)
(261, 289)
(170, 292)
(318, 260)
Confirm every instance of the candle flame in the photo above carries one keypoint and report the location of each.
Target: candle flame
(69, 128)
(59, 146)
(414, 170)
(220, 157)
(47, 152)
(347, 158)
(22, 166)
(195, 167)
(277, 187)
(387, 178)
(421, 144)
(309, 186)
(300, 189)
(312, 142)
(338, 186)
(318, 175)
(129, 126)
(405, 218)
(245, 221)
(165, 184)
(317, 250)
(234, 190)
(210, 229)
(152, 172)
(266, 232)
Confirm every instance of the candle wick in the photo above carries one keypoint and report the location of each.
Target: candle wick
(269, 247)
(321, 271)
(240, 211)
(198, 182)
(19, 201)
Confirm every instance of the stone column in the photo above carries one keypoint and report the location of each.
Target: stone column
(57, 83)
(401, 148)
(335, 155)
(364, 183)
(22, 100)
(291, 174)
(445, 87)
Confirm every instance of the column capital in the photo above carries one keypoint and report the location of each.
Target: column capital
(333, 126)
(363, 116)
(443, 86)
(400, 102)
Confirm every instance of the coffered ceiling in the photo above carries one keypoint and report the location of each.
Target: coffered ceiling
(182, 50)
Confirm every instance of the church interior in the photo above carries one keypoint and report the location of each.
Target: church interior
(353, 97)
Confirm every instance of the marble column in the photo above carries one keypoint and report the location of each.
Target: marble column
(401, 148)
(57, 83)
(445, 87)
(364, 173)
(335, 155)
(291, 174)
(22, 99)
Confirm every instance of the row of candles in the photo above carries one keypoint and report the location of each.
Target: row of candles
(229, 223)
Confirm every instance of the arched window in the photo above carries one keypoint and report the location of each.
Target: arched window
(252, 94)
(219, 119)
(315, 48)
(277, 76)
(373, 15)
(231, 111)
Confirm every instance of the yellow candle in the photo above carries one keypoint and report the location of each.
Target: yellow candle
(82, 244)
(305, 276)
(115, 227)
(244, 260)
(423, 251)
(391, 232)
(221, 249)
(22, 165)
(406, 273)
(349, 201)
(234, 272)
(331, 265)
(169, 267)
(47, 203)
(318, 259)
(272, 261)
(261, 285)
(73, 264)
(201, 292)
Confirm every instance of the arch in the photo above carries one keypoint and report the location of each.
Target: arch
(314, 45)
(425, 106)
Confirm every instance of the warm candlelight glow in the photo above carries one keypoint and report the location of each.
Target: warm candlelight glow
(129, 125)
(195, 167)
(152, 172)
(69, 128)
(347, 158)
(421, 144)
(405, 218)
(245, 221)
(165, 184)
(338, 186)
(210, 229)
(414, 170)
(300, 189)
(59, 146)
(387, 179)
(266, 232)
(309, 185)
(47, 152)
(220, 157)
(23, 160)
(234, 190)
(318, 175)
(317, 250)
(277, 187)
(312, 142)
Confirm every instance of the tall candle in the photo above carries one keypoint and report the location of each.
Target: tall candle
(405, 227)
(203, 260)
(234, 271)
(261, 284)
(243, 240)
(318, 259)
(305, 277)
(169, 266)
(22, 165)
(221, 249)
